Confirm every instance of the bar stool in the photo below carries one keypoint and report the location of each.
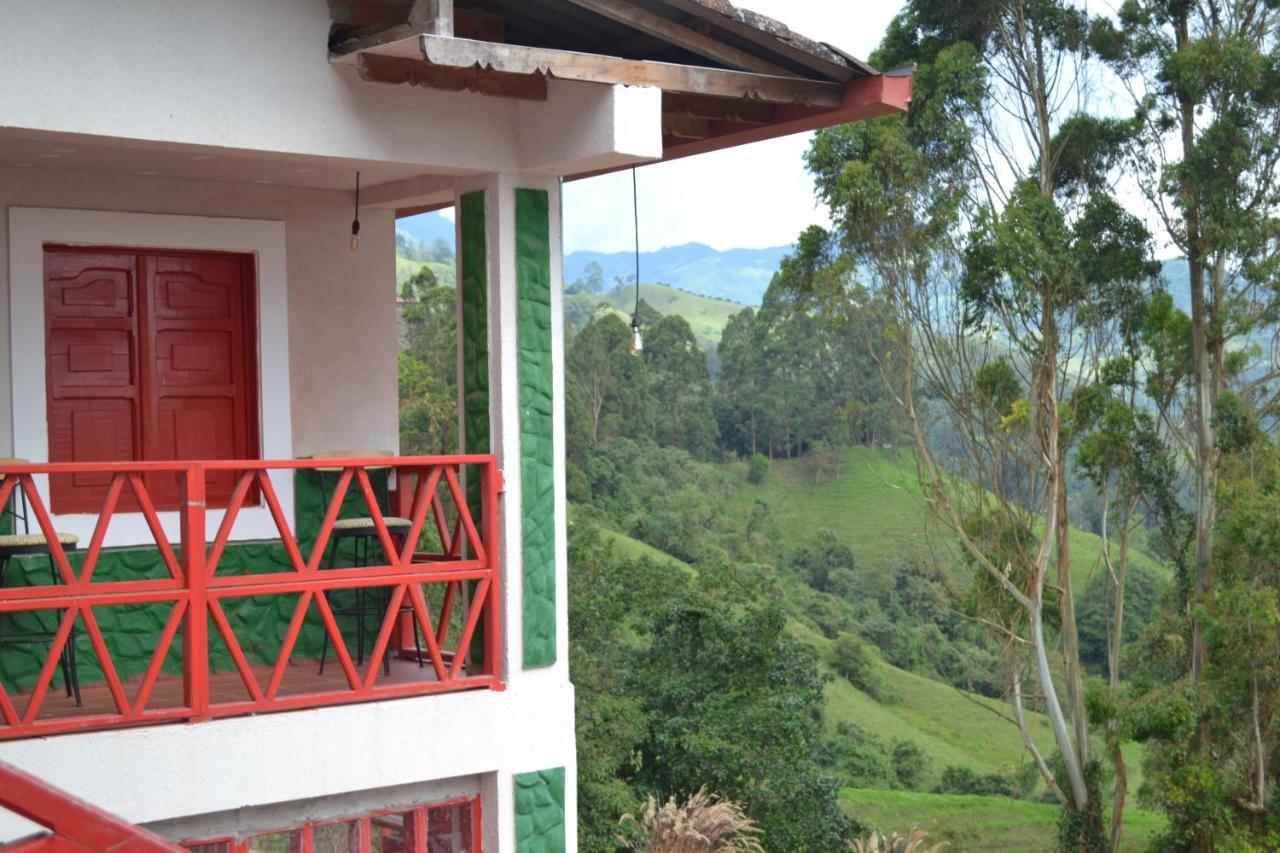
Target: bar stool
(362, 533)
(26, 543)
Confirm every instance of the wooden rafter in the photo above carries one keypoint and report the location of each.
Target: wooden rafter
(832, 69)
(425, 16)
(681, 36)
(681, 126)
(394, 69)
(718, 109)
(593, 68)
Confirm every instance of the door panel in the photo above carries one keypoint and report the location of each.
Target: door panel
(197, 334)
(151, 355)
(91, 368)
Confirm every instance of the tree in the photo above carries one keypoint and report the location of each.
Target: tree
(681, 383)
(592, 277)
(428, 374)
(991, 180)
(733, 703)
(1203, 78)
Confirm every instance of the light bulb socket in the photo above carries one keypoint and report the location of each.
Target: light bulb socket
(637, 342)
(355, 234)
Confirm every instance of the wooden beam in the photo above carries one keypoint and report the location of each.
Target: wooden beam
(433, 16)
(718, 109)
(425, 16)
(679, 126)
(864, 98)
(400, 32)
(681, 36)
(833, 68)
(593, 68)
(484, 81)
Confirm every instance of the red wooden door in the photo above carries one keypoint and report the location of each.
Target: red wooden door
(91, 336)
(152, 355)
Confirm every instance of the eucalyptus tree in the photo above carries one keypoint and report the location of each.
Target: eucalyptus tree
(1205, 81)
(987, 220)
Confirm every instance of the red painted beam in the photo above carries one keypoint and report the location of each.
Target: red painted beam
(74, 825)
(864, 98)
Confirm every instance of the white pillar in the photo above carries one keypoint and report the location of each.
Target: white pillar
(505, 443)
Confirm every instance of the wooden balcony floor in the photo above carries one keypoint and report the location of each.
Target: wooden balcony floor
(302, 676)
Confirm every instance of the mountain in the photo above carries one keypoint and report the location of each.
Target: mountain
(739, 275)
(426, 228)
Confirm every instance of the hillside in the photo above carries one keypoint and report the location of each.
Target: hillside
(875, 507)
(706, 315)
(446, 273)
(740, 275)
(969, 822)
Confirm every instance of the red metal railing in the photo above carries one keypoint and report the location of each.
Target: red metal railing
(69, 823)
(459, 581)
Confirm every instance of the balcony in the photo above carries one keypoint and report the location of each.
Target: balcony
(209, 625)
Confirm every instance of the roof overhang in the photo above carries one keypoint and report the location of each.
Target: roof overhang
(728, 76)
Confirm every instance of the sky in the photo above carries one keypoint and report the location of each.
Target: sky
(752, 196)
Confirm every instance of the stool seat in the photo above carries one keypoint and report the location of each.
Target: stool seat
(366, 523)
(28, 540)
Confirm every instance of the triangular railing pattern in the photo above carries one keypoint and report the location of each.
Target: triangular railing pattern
(430, 587)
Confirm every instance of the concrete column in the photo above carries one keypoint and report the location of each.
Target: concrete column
(508, 416)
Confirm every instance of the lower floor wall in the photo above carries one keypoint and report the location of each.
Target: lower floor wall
(233, 778)
(444, 816)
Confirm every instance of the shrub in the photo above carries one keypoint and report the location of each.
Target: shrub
(910, 765)
(856, 660)
(757, 467)
(962, 780)
(875, 842)
(702, 823)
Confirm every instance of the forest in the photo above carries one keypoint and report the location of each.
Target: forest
(977, 454)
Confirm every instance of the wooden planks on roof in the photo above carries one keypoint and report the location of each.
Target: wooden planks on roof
(681, 36)
(594, 68)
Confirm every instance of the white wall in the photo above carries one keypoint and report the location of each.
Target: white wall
(342, 318)
(159, 773)
(255, 75)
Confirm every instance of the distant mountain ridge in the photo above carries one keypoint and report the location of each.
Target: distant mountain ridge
(740, 275)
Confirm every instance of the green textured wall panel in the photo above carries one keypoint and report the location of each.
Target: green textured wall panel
(475, 329)
(537, 471)
(540, 811)
(474, 293)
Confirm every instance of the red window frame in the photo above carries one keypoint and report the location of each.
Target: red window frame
(146, 321)
(306, 842)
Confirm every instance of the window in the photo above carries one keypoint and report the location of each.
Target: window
(449, 827)
(152, 355)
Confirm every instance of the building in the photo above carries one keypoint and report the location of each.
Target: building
(269, 627)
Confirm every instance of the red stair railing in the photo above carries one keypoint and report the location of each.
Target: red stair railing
(69, 823)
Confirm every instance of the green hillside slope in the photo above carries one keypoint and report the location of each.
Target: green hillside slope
(875, 507)
(970, 822)
(706, 315)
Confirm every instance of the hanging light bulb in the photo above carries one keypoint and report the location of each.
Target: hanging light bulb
(637, 343)
(355, 223)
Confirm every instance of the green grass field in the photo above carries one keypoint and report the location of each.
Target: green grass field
(875, 507)
(706, 316)
(970, 823)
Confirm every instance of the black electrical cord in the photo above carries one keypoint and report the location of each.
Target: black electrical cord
(636, 345)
